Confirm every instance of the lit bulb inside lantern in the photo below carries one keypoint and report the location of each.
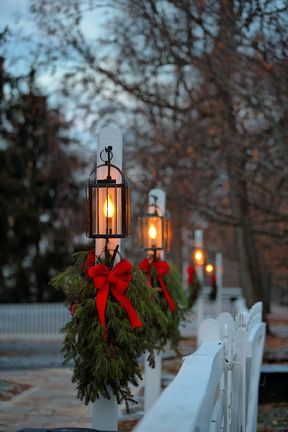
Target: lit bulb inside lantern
(199, 257)
(152, 232)
(109, 208)
(209, 268)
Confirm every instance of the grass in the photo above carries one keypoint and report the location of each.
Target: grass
(273, 417)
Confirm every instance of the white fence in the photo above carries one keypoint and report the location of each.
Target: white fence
(205, 308)
(216, 389)
(46, 319)
(31, 320)
(228, 297)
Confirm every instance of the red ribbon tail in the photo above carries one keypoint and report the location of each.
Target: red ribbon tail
(101, 300)
(167, 295)
(125, 302)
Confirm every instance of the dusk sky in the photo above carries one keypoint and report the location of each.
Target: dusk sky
(16, 15)
(22, 42)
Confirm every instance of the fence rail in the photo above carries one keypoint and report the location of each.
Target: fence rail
(32, 320)
(45, 320)
(216, 388)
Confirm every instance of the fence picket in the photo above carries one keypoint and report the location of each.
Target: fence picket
(208, 331)
(32, 320)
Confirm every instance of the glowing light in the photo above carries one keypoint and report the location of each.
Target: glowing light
(152, 232)
(199, 257)
(108, 208)
(209, 268)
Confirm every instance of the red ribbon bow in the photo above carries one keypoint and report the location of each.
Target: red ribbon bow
(191, 274)
(117, 280)
(161, 267)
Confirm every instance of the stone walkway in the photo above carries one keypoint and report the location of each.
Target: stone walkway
(49, 402)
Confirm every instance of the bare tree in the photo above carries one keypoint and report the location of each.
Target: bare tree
(203, 86)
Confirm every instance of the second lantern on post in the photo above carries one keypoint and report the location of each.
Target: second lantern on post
(154, 229)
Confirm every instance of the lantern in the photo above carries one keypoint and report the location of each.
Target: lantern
(108, 201)
(152, 229)
(209, 268)
(198, 256)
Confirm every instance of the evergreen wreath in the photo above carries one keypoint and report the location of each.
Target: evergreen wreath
(166, 280)
(106, 353)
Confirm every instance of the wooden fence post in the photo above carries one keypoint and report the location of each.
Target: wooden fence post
(105, 411)
(198, 243)
(152, 376)
(226, 328)
(219, 280)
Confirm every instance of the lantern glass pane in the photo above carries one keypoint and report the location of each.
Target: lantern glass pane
(127, 196)
(168, 235)
(107, 211)
(152, 232)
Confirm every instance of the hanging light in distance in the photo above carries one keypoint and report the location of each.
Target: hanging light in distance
(198, 256)
(209, 268)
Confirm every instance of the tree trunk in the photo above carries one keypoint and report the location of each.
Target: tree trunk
(251, 274)
(234, 152)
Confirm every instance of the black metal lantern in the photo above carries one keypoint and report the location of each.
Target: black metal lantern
(151, 229)
(108, 201)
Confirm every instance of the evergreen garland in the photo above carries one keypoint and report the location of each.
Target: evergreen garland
(106, 361)
(169, 333)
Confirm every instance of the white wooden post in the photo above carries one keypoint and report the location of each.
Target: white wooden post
(219, 280)
(105, 411)
(186, 252)
(187, 328)
(239, 374)
(152, 376)
(226, 327)
(198, 243)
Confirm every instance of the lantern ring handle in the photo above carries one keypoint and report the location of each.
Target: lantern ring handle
(107, 150)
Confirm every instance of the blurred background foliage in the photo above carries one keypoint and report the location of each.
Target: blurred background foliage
(39, 191)
(199, 89)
